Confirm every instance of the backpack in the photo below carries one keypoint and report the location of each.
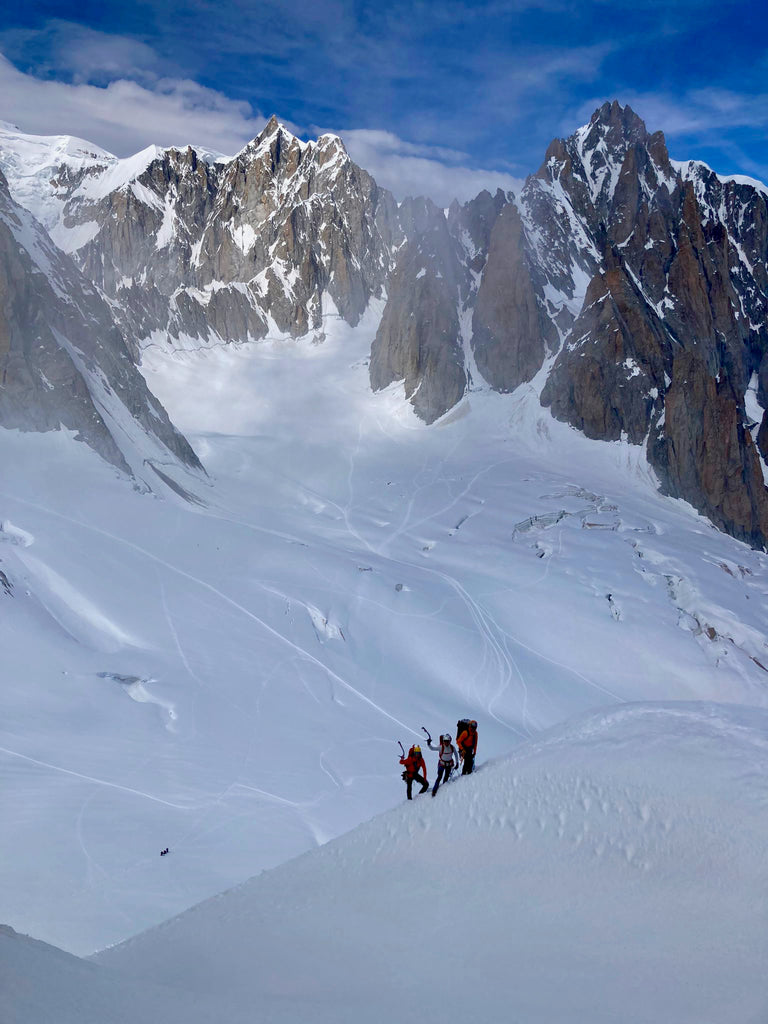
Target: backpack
(464, 724)
(461, 725)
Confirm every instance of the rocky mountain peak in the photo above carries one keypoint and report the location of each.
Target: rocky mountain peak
(274, 146)
(618, 123)
(329, 150)
(613, 150)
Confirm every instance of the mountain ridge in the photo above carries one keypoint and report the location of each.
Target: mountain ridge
(633, 279)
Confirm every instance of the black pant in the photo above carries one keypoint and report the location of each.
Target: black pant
(469, 762)
(409, 781)
(442, 769)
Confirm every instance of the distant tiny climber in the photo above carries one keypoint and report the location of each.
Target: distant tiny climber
(466, 740)
(163, 852)
(446, 762)
(413, 762)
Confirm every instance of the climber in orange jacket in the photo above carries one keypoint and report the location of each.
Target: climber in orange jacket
(414, 763)
(466, 741)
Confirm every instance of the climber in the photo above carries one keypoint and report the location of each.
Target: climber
(446, 762)
(413, 763)
(466, 740)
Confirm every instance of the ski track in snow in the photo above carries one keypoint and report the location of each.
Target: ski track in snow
(486, 626)
(494, 647)
(98, 782)
(232, 603)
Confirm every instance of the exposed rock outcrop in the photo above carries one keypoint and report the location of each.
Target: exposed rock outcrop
(425, 329)
(63, 362)
(419, 340)
(704, 454)
(511, 333)
(673, 282)
(219, 251)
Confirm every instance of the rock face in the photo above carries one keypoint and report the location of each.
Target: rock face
(705, 453)
(426, 329)
(674, 310)
(63, 362)
(643, 284)
(623, 284)
(195, 251)
(511, 334)
(419, 339)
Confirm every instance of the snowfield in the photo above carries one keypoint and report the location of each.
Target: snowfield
(611, 870)
(228, 674)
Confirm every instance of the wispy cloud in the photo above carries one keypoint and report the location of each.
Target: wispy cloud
(125, 116)
(408, 169)
(439, 96)
(65, 50)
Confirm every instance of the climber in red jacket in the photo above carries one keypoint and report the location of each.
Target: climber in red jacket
(415, 770)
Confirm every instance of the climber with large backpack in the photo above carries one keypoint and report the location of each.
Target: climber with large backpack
(447, 761)
(466, 741)
(414, 763)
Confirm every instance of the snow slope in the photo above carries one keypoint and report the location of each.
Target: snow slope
(611, 870)
(41, 984)
(229, 675)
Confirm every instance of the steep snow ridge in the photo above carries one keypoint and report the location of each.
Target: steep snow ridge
(41, 983)
(121, 173)
(612, 870)
(743, 179)
(691, 170)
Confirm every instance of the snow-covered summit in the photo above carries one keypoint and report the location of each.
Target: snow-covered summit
(63, 180)
(692, 169)
(44, 170)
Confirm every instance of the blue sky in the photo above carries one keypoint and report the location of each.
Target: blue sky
(438, 97)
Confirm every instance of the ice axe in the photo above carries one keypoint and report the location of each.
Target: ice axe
(402, 752)
(429, 738)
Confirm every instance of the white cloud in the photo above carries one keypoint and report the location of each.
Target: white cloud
(85, 54)
(408, 169)
(126, 116)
